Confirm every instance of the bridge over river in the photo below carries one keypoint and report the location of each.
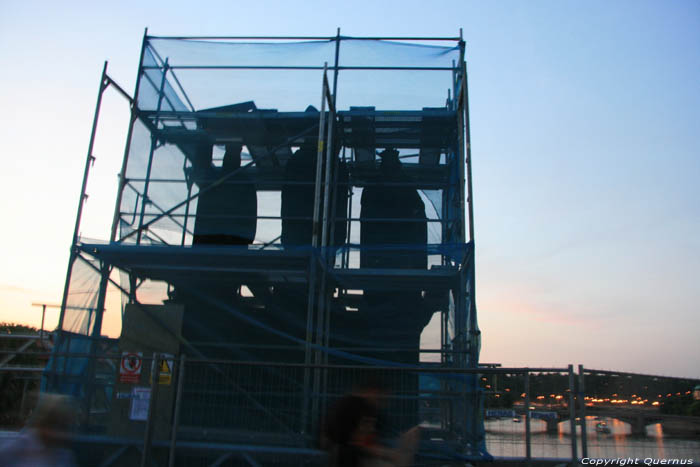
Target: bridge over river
(637, 418)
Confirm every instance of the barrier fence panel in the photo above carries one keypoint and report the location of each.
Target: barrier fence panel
(256, 413)
(527, 413)
(640, 416)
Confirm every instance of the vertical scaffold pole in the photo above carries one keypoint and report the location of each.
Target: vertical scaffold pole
(154, 142)
(306, 417)
(528, 431)
(150, 421)
(105, 269)
(322, 295)
(334, 194)
(461, 319)
(127, 148)
(187, 215)
(176, 414)
(83, 195)
(474, 334)
(348, 222)
(328, 230)
(89, 386)
(581, 393)
(572, 414)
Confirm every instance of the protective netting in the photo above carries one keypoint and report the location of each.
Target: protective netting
(300, 215)
(81, 303)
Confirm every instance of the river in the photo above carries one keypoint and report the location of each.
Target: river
(505, 438)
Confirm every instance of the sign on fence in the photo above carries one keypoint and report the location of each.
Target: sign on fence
(140, 399)
(130, 367)
(165, 369)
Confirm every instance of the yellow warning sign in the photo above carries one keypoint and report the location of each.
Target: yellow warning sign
(165, 375)
(165, 369)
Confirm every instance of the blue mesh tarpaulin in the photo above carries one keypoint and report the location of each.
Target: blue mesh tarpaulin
(305, 203)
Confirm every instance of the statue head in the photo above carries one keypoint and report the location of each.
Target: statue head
(232, 157)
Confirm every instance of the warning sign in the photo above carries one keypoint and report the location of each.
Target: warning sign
(165, 369)
(130, 367)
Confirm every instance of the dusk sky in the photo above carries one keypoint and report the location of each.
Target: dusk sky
(585, 125)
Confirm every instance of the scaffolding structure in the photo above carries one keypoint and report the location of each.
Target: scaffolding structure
(298, 201)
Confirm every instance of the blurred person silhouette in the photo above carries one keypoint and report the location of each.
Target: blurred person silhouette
(43, 442)
(354, 432)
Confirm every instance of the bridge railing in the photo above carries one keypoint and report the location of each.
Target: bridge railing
(524, 411)
(637, 415)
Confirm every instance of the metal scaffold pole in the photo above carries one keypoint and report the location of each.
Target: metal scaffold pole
(581, 396)
(90, 159)
(472, 323)
(154, 142)
(528, 430)
(572, 413)
(327, 231)
(307, 418)
(127, 148)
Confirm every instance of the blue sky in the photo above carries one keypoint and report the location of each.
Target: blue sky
(585, 121)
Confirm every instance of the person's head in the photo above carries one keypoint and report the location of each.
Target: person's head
(232, 157)
(372, 389)
(54, 413)
(390, 164)
(350, 419)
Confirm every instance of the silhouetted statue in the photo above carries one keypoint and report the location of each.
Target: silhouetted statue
(226, 215)
(298, 197)
(226, 210)
(395, 315)
(297, 210)
(388, 200)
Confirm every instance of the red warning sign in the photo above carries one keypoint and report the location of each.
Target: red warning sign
(130, 367)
